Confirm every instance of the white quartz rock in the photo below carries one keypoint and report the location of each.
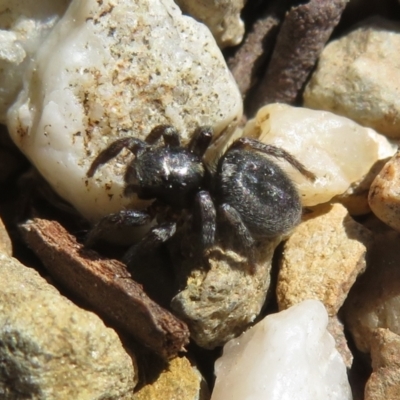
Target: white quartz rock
(111, 69)
(337, 150)
(287, 356)
(23, 26)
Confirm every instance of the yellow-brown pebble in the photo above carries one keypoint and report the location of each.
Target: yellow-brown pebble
(384, 194)
(322, 259)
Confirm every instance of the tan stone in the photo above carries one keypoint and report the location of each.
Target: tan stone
(357, 74)
(384, 382)
(179, 380)
(374, 301)
(220, 301)
(384, 194)
(51, 348)
(322, 258)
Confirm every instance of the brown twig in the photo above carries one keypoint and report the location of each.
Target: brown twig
(254, 51)
(107, 286)
(303, 34)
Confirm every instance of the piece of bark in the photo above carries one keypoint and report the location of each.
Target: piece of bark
(107, 286)
(303, 34)
(254, 51)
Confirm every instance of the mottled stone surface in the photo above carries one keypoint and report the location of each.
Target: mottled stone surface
(322, 258)
(51, 349)
(384, 194)
(179, 380)
(374, 300)
(221, 16)
(5, 241)
(221, 298)
(24, 25)
(325, 143)
(356, 74)
(384, 382)
(336, 329)
(111, 69)
(288, 355)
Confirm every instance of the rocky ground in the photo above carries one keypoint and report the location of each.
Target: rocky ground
(319, 79)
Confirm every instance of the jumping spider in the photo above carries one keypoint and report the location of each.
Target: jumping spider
(248, 191)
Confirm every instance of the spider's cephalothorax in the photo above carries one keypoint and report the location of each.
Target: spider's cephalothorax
(248, 190)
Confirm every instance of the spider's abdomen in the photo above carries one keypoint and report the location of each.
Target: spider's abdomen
(264, 196)
(172, 175)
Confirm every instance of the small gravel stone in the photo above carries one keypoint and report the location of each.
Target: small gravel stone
(50, 349)
(222, 298)
(336, 329)
(23, 27)
(114, 69)
(322, 259)
(384, 382)
(337, 150)
(374, 300)
(179, 380)
(221, 16)
(384, 194)
(357, 77)
(288, 355)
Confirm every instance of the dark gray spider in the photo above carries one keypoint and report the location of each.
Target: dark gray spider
(248, 190)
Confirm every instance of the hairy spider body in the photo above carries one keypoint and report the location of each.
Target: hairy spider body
(248, 190)
(263, 195)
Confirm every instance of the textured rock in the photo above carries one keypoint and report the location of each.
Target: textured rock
(336, 329)
(374, 300)
(179, 380)
(221, 299)
(111, 69)
(221, 16)
(51, 349)
(288, 355)
(355, 76)
(5, 241)
(384, 382)
(337, 150)
(384, 194)
(23, 27)
(322, 258)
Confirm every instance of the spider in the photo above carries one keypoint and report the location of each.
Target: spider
(248, 191)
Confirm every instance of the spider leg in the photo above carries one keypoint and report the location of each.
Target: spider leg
(274, 151)
(204, 220)
(200, 141)
(120, 221)
(240, 230)
(168, 133)
(132, 144)
(152, 240)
